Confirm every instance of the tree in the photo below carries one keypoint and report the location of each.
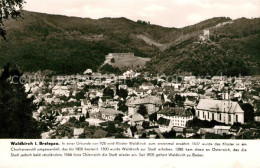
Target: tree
(108, 92)
(146, 124)
(86, 88)
(9, 9)
(82, 118)
(80, 95)
(179, 100)
(248, 112)
(123, 93)
(197, 123)
(142, 110)
(119, 118)
(162, 97)
(48, 119)
(87, 115)
(193, 111)
(16, 110)
(169, 135)
(112, 60)
(122, 106)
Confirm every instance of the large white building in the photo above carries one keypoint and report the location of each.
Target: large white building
(224, 111)
(173, 117)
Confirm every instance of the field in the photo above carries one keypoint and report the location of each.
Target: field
(133, 63)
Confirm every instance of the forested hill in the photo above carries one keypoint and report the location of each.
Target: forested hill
(233, 49)
(71, 45)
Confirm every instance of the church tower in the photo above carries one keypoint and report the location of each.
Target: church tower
(226, 92)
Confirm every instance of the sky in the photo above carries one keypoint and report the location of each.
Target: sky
(168, 13)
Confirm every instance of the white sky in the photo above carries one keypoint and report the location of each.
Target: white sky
(169, 13)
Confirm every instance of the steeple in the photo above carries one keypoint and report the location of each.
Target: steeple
(226, 92)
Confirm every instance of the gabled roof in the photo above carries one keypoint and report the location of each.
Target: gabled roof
(190, 103)
(222, 127)
(110, 111)
(174, 111)
(137, 117)
(219, 105)
(146, 100)
(85, 101)
(163, 121)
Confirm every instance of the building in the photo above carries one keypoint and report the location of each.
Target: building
(165, 125)
(152, 104)
(121, 55)
(85, 104)
(109, 114)
(205, 35)
(88, 71)
(189, 104)
(224, 111)
(61, 91)
(174, 117)
(137, 119)
(77, 132)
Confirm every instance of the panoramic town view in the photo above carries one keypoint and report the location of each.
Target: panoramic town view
(67, 77)
(140, 105)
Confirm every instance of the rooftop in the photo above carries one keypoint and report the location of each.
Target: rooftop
(163, 121)
(146, 100)
(175, 111)
(219, 105)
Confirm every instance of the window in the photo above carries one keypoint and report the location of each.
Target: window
(208, 115)
(203, 115)
(220, 117)
(212, 116)
(229, 118)
(198, 113)
(236, 118)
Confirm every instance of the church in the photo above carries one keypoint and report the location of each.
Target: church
(224, 111)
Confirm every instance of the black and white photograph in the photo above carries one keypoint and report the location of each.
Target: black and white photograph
(130, 69)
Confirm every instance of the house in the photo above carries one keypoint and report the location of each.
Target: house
(152, 104)
(203, 131)
(147, 86)
(224, 111)
(190, 133)
(235, 130)
(178, 116)
(189, 78)
(240, 86)
(257, 116)
(139, 92)
(189, 104)
(94, 110)
(88, 71)
(61, 91)
(85, 104)
(77, 132)
(109, 114)
(222, 130)
(94, 121)
(165, 125)
(127, 131)
(218, 130)
(137, 119)
(218, 79)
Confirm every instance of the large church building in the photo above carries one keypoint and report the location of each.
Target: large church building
(224, 111)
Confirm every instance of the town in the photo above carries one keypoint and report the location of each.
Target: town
(142, 105)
